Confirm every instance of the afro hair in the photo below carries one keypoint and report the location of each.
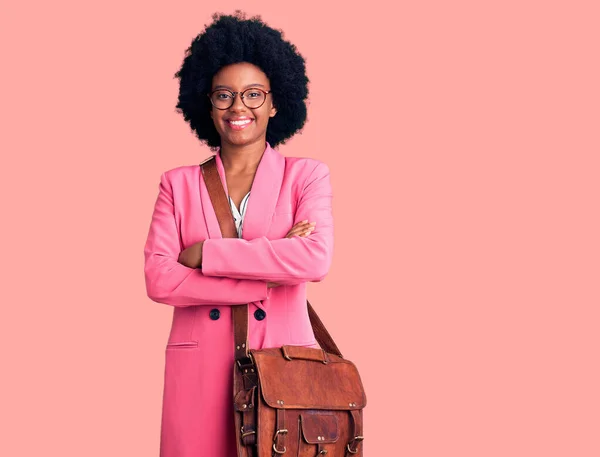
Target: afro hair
(233, 39)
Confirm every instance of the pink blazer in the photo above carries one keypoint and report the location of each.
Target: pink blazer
(197, 413)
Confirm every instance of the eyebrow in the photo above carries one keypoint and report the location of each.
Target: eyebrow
(221, 86)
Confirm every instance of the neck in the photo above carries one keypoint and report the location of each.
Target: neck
(242, 159)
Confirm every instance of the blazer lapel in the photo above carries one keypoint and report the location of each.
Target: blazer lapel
(264, 194)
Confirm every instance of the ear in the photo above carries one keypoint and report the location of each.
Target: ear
(273, 111)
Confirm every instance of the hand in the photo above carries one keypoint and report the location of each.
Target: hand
(192, 255)
(302, 228)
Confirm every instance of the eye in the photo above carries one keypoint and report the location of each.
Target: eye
(253, 94)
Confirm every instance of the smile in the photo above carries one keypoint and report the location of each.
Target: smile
(239, 125)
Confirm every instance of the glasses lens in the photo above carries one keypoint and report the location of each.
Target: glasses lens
(221, 99)
(253, 98)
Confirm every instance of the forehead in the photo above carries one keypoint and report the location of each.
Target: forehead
(238, 76)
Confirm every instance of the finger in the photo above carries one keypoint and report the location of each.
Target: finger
(301, 225)
(301, 232)
(296, 230)
(310, 228)
(302, 229)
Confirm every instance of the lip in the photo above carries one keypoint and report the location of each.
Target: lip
(239, 127)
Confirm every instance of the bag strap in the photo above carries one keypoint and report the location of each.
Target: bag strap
(218, 198)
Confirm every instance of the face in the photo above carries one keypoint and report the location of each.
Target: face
(251, 122)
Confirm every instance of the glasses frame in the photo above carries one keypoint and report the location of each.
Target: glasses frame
(233, 94)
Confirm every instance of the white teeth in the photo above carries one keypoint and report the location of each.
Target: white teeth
(247, 121)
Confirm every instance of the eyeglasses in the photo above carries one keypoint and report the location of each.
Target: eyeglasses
(253, 98)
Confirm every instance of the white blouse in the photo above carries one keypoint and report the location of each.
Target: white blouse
(238, 215)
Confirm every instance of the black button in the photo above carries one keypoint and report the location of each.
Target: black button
(214, 314)
(260, 314)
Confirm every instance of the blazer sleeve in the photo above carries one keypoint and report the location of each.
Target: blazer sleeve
(172, 283)
(287, 260)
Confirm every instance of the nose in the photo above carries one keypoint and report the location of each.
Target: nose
(238, 104)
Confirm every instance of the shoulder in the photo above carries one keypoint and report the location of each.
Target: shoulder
(306, 167)
(182, 173)
(179, 180)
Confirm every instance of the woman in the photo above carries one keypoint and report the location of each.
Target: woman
(243, 91)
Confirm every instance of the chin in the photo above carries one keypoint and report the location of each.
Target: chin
(240, 140)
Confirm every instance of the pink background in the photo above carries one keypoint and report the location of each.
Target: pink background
(463, 140)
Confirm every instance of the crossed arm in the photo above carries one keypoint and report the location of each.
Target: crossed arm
(235, 270)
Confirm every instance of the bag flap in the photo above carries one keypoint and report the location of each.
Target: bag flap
(308, 384)
(319, 427)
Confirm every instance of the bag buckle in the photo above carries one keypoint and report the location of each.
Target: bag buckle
(244, 434)
(283, 430)
(355, 450)
(277, 432)
(245, 362)
(278, 451)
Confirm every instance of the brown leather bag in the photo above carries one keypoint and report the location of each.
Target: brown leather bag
(292, 400)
